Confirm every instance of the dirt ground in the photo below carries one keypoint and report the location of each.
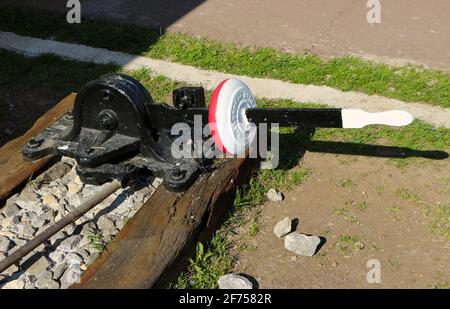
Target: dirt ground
(391, 226)
(410, 30)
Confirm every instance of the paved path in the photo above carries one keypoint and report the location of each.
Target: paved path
(263, 88)
(415, 31)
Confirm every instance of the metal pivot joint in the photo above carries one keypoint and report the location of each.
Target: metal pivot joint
(115, 129)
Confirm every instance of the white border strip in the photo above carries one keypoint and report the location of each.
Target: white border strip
(263, 88)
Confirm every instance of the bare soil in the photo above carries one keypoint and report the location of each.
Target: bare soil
(392, 228)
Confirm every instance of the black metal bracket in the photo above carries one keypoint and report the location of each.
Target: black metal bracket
(115, 130)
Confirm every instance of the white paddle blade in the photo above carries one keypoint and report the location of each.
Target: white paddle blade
(357, 118)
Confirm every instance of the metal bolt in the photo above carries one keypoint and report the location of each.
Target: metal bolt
(108, 119)
(69, 115)
(35, 142)
(178, 174)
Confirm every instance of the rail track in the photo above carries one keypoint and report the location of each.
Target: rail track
(137, 237)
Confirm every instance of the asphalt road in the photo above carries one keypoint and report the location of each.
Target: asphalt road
(414, 31)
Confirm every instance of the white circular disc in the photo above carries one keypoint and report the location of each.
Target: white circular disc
(229, 125)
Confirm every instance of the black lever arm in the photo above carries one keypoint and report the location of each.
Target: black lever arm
(290, 117)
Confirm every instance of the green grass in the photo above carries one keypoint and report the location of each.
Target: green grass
(393, 208)
(407, 195)
(379, 189)
(344, 213)
(394, 264)
(347, 244)
(361, 206)
(442, 285)
(97, 241)
(253, 228)
(348, 73)
(346, 183)
(439, 218)
(207, 266)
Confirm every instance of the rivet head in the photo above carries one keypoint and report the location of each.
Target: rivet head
(35, 142)
(108, 119)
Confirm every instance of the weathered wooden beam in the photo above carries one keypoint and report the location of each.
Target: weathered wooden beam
(14, 170)
(151, 246)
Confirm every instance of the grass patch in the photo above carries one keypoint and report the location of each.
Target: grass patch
(347, 244)
(439, 217)
(97, 241)
(253, 228)
(361, 206)
(394, 264)
(393, 208)
(346, 183)
(410, 83)
(442, 285)
(207, 266)
(344, 213)
(379, 189)
(407, 195)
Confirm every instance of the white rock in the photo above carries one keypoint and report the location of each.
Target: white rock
(58, 270)
(14, 284)
(27, 216)
(19, 242)
(57, 237)
(73, 259)
(42, 264)
(11, 210)
(283, 227)
(106, 225)
(91, 258)
(232, 281)
(88, 229)
(69, 161)
(274, 195)
(9, 222)
(11, 270)
(56, 172)
(59, 191)
(83, 253)
(156, 182)
(23, 230)
(28, 198)
(50, 200)
(70, 244)
(74, 188)
(301, 244)
(5, 244)
(30, 282)
(71, 275)
(43, 219)
(57, 256)
(45, 281)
